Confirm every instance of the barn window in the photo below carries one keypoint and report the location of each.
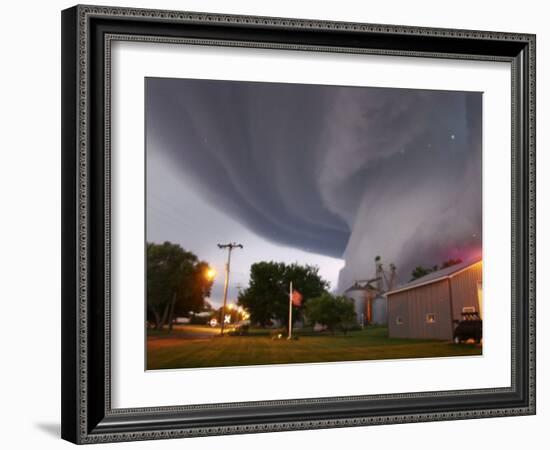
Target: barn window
(430, 318)
(468, 309)
(399, 320)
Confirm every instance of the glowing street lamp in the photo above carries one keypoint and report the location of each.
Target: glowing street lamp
(210, 273)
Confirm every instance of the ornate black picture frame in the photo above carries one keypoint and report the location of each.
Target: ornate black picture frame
(87, 34)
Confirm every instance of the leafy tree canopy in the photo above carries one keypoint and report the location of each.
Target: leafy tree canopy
(266, 297)
(334, 312)
(176, 282)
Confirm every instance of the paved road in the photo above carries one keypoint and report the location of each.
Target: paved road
(195, 331)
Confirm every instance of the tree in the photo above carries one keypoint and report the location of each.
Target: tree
(193, 289)
(266, 297)
(334, 312)
(450, 262)
(176, 283)
(347, 315)
(420, 271)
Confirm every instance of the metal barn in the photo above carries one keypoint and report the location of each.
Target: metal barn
(426, 308)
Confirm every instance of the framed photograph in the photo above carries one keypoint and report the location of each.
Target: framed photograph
(277, 224)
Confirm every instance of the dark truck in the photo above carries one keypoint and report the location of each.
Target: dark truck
(470, 327)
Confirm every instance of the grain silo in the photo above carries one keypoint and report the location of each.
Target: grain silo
(360, 294)
(370, 301)
(379, 310)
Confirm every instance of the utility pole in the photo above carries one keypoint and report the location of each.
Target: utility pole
(379, 272)
(229, 248)
(290, 312)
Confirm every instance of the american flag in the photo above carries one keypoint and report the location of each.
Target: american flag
(296, 298)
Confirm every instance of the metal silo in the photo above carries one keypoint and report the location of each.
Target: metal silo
(359, 295)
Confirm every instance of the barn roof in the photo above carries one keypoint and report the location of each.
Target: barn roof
(436, 276)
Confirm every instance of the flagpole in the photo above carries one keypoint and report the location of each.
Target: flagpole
(290, 312)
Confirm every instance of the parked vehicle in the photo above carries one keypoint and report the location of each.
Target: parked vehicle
(470, 327)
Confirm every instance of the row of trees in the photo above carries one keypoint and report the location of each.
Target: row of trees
(267, 297)
(420, 271)
(176, 283)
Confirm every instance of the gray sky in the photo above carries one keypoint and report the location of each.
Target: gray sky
(325, 175)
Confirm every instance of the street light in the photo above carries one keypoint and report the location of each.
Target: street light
(210, 273)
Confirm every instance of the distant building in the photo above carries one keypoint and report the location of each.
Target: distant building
(427, 307)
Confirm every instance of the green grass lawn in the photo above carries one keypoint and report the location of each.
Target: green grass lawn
(179, 351)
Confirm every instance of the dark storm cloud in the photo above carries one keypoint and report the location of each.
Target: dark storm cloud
(340, 171)
(252, 155)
